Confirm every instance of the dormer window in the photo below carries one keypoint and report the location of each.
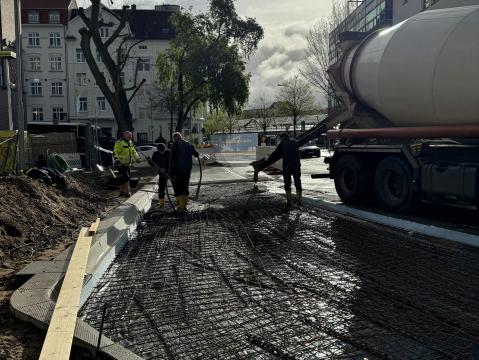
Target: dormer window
(33, 17)
(54, 17)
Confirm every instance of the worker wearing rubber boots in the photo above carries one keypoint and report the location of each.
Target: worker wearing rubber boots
(125, 154)
(161, 160)
(181, 164)
(288, 149)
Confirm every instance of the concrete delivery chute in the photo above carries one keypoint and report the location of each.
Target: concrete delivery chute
(410, 114)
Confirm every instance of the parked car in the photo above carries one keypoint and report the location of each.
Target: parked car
(309, 150)
(145, 150)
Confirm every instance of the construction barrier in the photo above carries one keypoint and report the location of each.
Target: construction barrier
(8, 151)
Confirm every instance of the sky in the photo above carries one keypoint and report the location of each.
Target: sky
(286, 24)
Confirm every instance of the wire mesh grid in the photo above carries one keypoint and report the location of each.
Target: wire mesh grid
(246, 280)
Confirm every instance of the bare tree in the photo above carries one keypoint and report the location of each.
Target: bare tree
(121, 40)
(265, 114)
(296, 98)
(315, 66)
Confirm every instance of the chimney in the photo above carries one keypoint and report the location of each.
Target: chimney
(133, 6)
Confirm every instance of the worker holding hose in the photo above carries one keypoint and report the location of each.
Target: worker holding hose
(288, 149)
(125, 154)
(181, 164)
(161, 160)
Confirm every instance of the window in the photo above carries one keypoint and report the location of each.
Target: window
(55, 63)
(143, 47)
(142, 137)
(37, 113)
(98, 56)
(82, 104)
(81, 79)
(143, 114)
(54, 17)
(33, 39)
(122, 77)
(33, 17)
(34, 63)
(57, 88)
(80, 56)
(144, 65)
(55, 39)
(104, 32)
(36, 88)
(100, 104)
(58, 114)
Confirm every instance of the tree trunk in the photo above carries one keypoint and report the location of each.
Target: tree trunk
(295, 120)
(181, 100)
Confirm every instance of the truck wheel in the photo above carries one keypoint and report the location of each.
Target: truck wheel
(393, 184)
(352, 181)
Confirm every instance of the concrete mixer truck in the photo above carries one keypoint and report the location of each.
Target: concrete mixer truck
(409, 124)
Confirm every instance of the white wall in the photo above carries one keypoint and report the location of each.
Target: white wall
(45, 75)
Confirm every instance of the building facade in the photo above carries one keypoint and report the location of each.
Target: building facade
(149, 33)
(44, 24)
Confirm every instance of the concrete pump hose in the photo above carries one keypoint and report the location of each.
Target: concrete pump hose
(201, 178)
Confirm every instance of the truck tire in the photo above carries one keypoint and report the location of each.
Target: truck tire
(352, 180)
(393, 183)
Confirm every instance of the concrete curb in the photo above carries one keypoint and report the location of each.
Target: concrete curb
(35, 300)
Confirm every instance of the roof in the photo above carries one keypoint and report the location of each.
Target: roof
(45, 4)
(147, 24)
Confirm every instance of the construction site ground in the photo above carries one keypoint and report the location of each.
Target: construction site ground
(239, 277)
(37, 222)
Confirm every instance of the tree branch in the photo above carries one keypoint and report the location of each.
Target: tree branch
(188, 108)
(136, 90)
(121, 25)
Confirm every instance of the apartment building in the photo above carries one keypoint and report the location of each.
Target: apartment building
(45, 66)
(151, 31)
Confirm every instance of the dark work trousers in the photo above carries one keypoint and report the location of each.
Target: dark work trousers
(181, 182)
(125, 172)
(162, 180)
(296, 174)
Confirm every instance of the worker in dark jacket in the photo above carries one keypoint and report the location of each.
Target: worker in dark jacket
(161, 160)
(181, 164)
(288, 149)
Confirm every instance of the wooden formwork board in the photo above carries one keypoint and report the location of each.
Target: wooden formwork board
(58, 342)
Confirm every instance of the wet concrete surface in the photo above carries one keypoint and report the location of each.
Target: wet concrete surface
(238, 277)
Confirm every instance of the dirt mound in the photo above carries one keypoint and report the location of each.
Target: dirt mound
(36, 216)
(37, 222)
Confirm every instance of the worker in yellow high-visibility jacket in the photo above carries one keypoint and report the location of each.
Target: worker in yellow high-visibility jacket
(125, 154)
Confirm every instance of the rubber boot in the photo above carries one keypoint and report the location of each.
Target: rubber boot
(181, 208)
(161, 204)
(299, 197)
(289, 200)
(124, 190)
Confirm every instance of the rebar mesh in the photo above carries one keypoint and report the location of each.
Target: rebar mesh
(246, 280)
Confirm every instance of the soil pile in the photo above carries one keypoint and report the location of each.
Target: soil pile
(37, 222)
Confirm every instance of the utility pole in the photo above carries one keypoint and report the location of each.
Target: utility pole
(19, 86)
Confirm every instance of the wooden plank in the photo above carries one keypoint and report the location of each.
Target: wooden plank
(94, 227)
(58, 342)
